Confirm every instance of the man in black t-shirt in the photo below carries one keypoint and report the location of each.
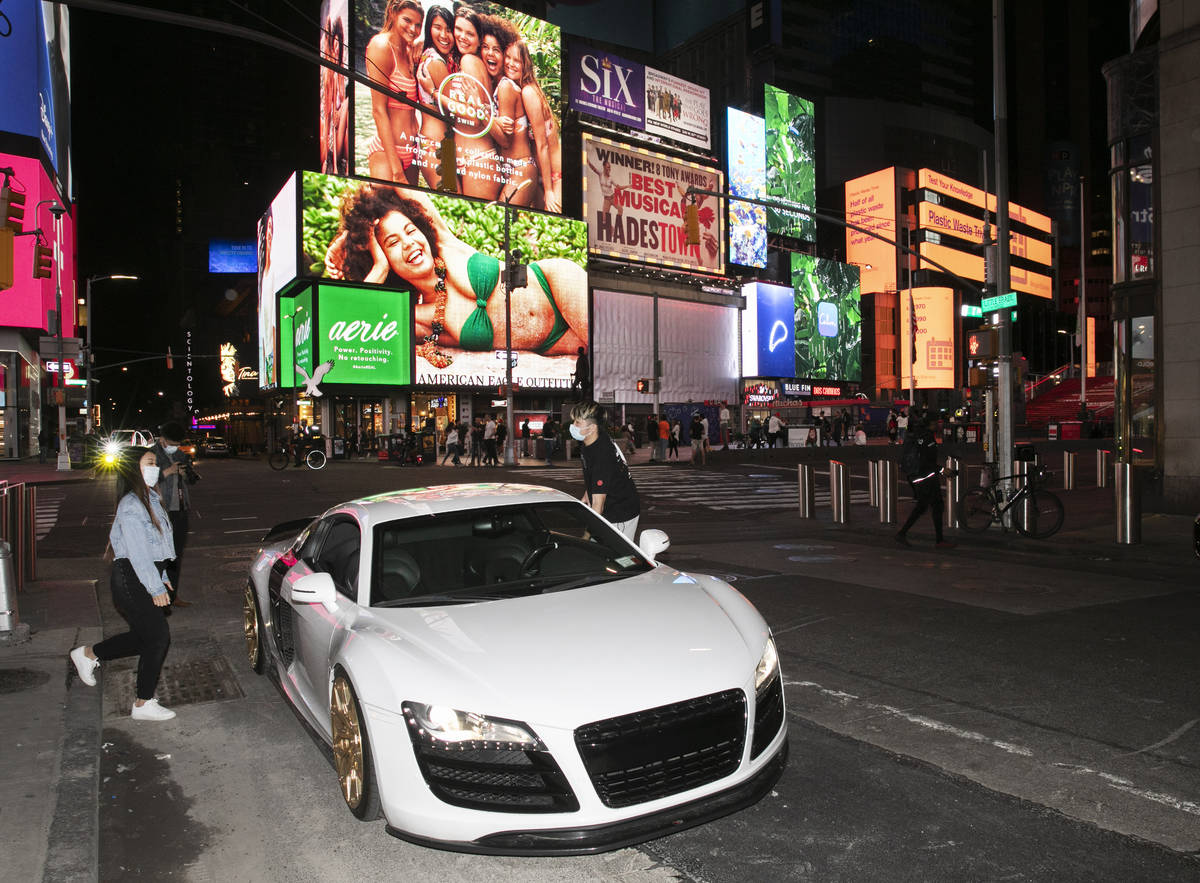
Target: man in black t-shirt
(608, 488)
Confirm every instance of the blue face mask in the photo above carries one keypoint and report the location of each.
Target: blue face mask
(575, 433)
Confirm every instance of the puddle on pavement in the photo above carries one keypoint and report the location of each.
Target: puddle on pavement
(18, 680)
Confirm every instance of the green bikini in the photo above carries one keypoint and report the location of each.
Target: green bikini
(483, 272)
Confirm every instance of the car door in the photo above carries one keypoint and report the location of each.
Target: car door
(337, 553)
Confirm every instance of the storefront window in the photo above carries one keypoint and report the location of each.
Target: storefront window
(1135, 416)
(442, 407)
(1141, 207)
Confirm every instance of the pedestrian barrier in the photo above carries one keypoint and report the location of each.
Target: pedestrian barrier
(887, 492)
(18, 528)
(839, 491)
(12, 630)
(1129, 506)
(1103, 467)
(954, 492)
(1068, 475)
(807, 491)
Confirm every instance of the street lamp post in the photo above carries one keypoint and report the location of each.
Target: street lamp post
(64, 456)
(510, 436)
(88, 363)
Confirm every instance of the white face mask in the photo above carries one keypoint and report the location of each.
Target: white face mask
(170, 449)
(576, 433)
(150, 475)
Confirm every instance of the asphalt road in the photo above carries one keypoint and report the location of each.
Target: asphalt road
(983, 713)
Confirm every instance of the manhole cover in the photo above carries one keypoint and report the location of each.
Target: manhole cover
(182, 683)
(15, 680)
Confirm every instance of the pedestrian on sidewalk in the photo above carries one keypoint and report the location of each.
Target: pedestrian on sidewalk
(725, 419)
(918, 462)
(892, 427)
(476, 442)
(902, 425)
(141, 544)
(549, 438)
(608, 487)
(45, 439)
(696, 433)
(489, 442)
(525, 437)
(501, 440)
(664, 435)
(652, 435)
(774, 426)
(451, 445)
(176, 476)
(673, 440)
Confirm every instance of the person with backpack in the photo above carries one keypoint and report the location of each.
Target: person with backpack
(608, 487)
(696, 433)
(918, 463)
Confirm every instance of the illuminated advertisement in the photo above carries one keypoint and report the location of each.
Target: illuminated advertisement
(334, 89)
(933, 329)
(931, 180)
(791, 163)
(30, 300)
(303, 344)
(971, 266)
(232, 256)
(365, 332)
(276, 268)
(610, 87)
(871, 204)
(768, 331)
(448, 251)
(952, 223)
(497, 73)
(287, 342)
(828, 319)
(634, 203)
(34, 41)
(747, 164)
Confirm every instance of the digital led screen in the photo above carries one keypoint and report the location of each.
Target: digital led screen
(971, 266)
(365, 332)
(932, 180)
(634, 203)
(232, 256)
(871, 204)
(952, 223)
(747, 164)
(409, 239)
(828, 319)
(933, 331)
(791, 162)
(302, 341)
(28, 302)
(497, 72)
(276, 268)
(768, 331)
(333, 90)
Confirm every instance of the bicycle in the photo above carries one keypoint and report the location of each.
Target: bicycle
(280, 458)
(1036, 511)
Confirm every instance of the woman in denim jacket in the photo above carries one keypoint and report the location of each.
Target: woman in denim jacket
(141, 543)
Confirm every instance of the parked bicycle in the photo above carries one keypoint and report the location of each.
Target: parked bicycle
(313, 457)
(1036, 512)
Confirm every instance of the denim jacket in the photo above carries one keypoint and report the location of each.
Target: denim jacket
(135, 537)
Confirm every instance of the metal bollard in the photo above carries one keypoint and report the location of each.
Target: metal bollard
(1103, 467)
(887, 491)
(807, 491)
(839, 491)
(1129, 505)
(873, 481)
(31, 495)
(17, 541)
(1021, 469)
(1068, 470)
(12, 630)
(954, 492)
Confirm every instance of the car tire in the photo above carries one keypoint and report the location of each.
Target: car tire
(252, 629)
(352, 750)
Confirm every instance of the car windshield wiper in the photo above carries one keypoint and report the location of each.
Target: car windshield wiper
(432, 600)
(590, 579)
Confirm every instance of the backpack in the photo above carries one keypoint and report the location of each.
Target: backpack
(910, 457)
(697, 429)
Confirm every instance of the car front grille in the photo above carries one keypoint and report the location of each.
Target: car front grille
(768, 715)
(662, 751)
(496, 779)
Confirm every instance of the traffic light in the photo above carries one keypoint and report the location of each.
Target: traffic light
(447, 168)
(12, 208)
(6, 258)
(981, 343)
(43, 261)
(645, 385)
(691, 223)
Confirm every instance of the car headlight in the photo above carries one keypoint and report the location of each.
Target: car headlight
(768, 665)
(112, 448)
(445, 727)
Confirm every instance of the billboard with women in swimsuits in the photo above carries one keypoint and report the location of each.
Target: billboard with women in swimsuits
(496, 72)
(448, 251)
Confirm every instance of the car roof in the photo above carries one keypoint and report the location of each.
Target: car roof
(438, 499)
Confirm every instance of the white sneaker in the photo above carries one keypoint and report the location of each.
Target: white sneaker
(85, 666)
(152, 711)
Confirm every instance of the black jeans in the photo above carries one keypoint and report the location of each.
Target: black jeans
(928, 494)
(179, 528)
(148, 637)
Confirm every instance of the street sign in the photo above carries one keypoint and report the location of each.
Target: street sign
(999, 302)
(48, 348)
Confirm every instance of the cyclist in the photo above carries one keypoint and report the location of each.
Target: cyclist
(918, 462)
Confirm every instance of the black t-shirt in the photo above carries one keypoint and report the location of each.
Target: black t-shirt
(604, 472)
(548, 431)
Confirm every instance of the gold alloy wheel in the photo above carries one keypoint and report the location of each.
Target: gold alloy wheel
(347, 742)
(250, 628)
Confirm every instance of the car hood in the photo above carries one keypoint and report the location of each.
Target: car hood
(566, 658)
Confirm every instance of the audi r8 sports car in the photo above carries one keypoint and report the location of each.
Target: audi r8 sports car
(496, 669)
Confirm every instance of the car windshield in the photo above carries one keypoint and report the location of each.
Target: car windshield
(495, 553)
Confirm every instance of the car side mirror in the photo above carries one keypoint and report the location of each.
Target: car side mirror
(653, 543)
(315, 588)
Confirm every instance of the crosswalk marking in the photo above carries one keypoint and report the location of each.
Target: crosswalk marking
(718, 491)
(46, 516)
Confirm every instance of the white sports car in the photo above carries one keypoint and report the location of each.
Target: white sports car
(499, 670)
